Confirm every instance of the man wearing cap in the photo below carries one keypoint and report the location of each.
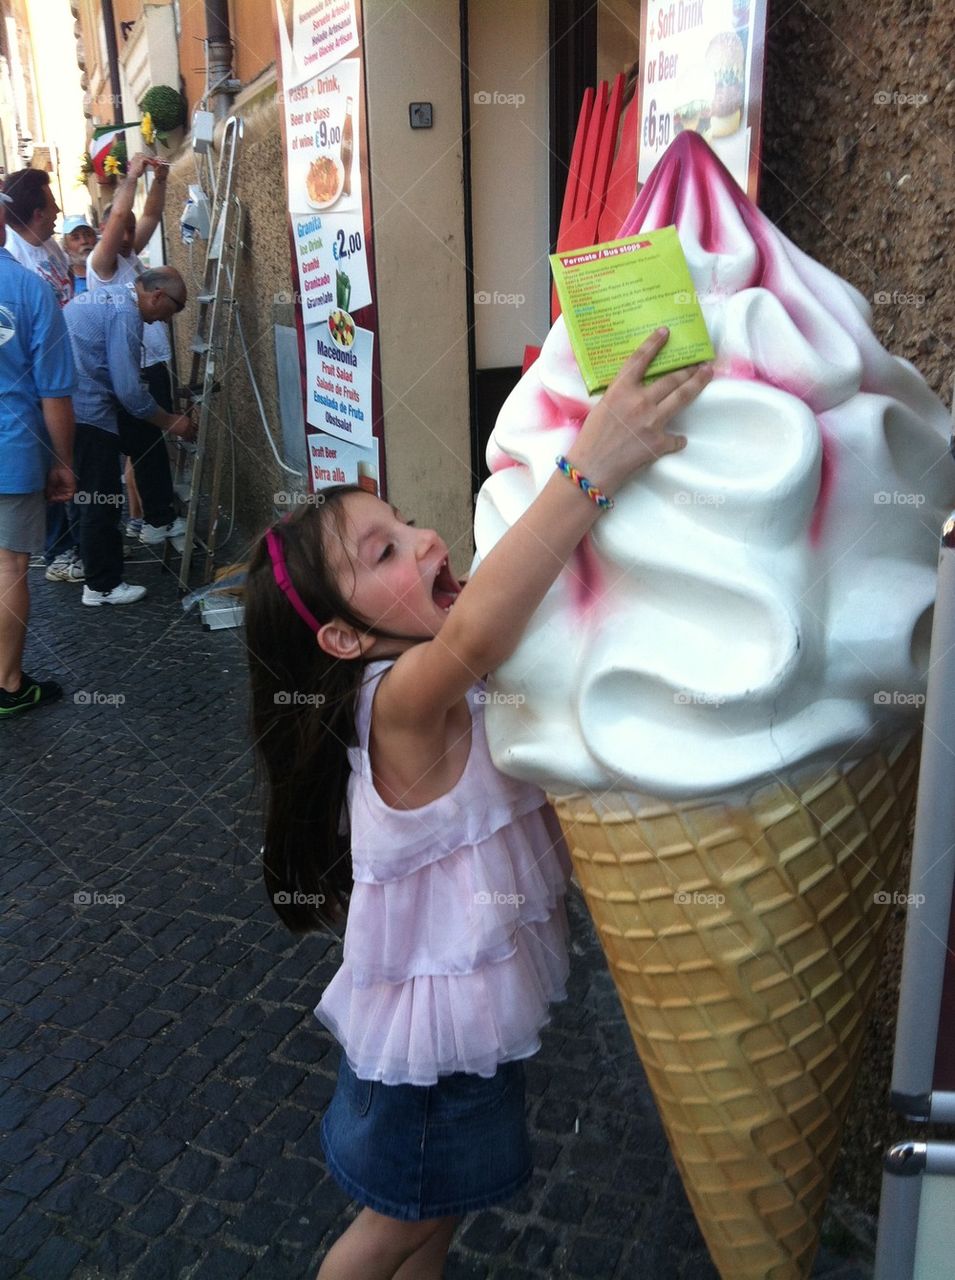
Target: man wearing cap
(106, 332)
(36, 455)
(115, 261)
(79, 241)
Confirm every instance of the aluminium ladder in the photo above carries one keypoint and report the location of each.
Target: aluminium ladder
(210, 351)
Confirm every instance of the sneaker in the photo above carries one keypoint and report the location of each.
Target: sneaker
(125, 593)
(66, 567)
(134, 527)
(152, 534)
(32, 693)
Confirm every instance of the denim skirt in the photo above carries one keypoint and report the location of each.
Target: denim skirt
(427, 1151)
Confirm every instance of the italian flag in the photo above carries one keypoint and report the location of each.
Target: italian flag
(101, 142)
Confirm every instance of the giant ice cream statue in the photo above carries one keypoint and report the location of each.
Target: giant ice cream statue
(721, 693)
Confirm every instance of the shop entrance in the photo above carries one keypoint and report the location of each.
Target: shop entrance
(524, 71)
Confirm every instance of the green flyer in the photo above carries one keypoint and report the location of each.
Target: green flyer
(614, 295)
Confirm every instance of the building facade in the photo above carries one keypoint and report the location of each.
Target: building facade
(466, 211)
(41, 120)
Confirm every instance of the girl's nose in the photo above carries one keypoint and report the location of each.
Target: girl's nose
(425, 543)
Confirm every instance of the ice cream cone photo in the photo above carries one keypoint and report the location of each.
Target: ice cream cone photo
(730, 743)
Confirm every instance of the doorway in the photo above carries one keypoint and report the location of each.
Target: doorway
(524, 71)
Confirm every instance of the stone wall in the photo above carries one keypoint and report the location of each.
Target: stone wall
(263, 287)
(859, 117)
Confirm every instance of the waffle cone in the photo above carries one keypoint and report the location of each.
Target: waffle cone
(744, 939)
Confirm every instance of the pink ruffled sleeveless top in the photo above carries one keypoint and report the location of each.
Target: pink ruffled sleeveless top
(456, 939)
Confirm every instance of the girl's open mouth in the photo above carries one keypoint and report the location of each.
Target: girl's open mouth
(445, 589)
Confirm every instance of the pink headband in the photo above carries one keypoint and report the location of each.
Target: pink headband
(274, 544)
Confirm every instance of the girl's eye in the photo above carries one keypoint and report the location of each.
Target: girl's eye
(387, 552)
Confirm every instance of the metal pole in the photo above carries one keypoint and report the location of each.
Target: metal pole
(933, 861)
(902, 1170)
(55, 157)
(112, 56)
(220, 82)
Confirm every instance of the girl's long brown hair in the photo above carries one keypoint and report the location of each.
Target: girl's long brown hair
(303, 720)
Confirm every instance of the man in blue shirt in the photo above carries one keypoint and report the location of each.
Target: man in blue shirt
(106, 333)
(31, 216)
(36, 456)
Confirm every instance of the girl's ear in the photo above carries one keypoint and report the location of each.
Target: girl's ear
(339, 640)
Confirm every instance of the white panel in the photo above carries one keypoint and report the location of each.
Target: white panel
(150, 56)
(935, 1247)
(508, 65)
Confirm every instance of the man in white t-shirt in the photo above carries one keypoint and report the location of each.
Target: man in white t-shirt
(31, 217)
(115, 261)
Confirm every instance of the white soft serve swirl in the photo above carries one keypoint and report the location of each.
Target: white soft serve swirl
(726, 621)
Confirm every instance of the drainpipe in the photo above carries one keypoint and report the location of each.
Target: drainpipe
(221, 85)
(112, 57)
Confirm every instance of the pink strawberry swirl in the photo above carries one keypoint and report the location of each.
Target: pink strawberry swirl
(763, 599)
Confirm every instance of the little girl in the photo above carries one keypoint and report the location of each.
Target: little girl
(366, 660)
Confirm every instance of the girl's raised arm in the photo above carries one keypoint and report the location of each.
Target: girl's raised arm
(624, 433)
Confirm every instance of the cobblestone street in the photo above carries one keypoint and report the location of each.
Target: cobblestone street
(162, 1077)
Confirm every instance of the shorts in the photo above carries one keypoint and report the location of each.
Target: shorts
(428, 1151)
(23, 522)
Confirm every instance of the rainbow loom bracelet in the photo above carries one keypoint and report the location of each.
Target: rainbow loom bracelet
(582, 483)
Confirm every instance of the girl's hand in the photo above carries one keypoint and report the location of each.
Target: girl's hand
(626, 431)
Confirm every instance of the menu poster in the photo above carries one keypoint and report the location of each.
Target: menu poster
(322, 120)
(702, 69)
(335, 462)
(326, 166)
(332, 269)
(314, 34)
(338, 378)
(325, 192)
